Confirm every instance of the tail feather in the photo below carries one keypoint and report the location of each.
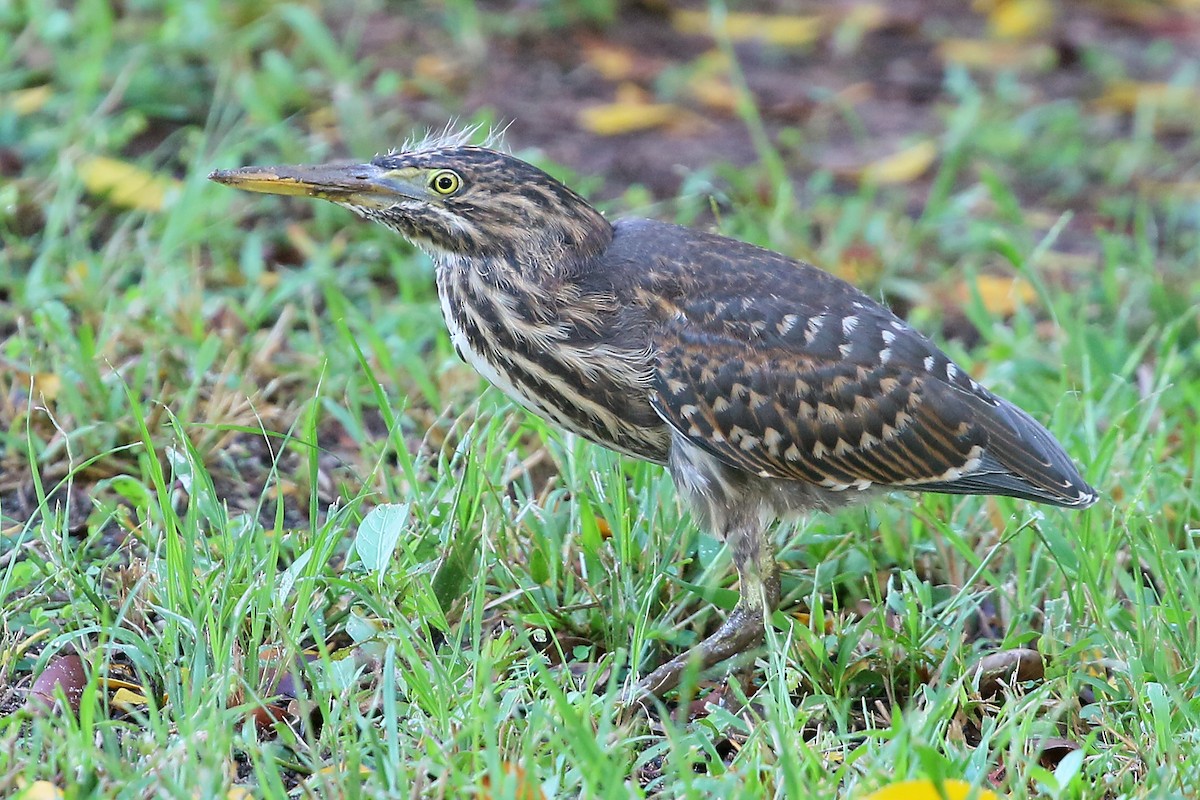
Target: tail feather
(1022, 459)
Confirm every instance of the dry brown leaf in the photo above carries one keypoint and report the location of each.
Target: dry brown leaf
(1001, 295)
(127, 185)
(925, 789)
(1052, 750)
(266, 716)
(996, 670)
(603, 528)
(782, 30)
(66, 672)
(560, 648)
(903, 167)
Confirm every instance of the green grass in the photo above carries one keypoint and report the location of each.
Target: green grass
(201, 405)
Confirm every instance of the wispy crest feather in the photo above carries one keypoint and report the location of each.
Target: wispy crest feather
(455, 135)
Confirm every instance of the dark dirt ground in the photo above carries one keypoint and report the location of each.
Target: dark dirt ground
(853, 103)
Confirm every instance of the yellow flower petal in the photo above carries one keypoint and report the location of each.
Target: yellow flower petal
(925, 789)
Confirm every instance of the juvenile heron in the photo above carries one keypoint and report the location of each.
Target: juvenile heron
(765, 385)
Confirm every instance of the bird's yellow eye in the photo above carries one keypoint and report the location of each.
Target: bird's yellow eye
(445, 182)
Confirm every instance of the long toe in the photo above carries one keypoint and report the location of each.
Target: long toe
(742, 631)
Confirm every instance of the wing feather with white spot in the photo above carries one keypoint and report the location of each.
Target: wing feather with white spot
(848, 402)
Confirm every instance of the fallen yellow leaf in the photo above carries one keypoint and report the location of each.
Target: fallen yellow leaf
(113, 684)
(988, 54)
(47, 385)
(805, 619)
(127, 700)
(1128, 95)
(126, 184)
(1000, 295)
(40, 790)
(1020, 19)
(322, 118)
(629, 93)
(26, 101)
(1093, 663)
(303, 242)
(902, 167)
(437, 69)
(612, 61)
(268, 280)
(713, 92)
(866, 16)
(925, 789)
(614, 119)
(1188, 190)
(777, 29)
(340, 769)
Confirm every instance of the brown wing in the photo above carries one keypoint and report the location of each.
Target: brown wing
(783, 370)
(848, 399)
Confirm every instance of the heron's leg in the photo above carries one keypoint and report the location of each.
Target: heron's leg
(758, 596)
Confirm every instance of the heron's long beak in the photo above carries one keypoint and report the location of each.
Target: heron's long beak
(349, 184)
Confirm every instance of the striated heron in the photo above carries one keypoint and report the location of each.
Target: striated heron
(765, 385)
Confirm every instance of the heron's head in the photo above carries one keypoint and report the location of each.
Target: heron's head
(451, 200)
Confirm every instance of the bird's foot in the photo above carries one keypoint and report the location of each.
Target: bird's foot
(742, 630)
